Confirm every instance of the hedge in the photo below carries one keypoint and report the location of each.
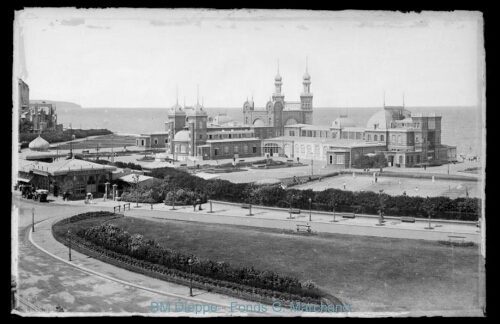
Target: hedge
(113, 242)
(367, 202)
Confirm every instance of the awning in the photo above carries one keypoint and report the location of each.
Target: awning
(26, 178)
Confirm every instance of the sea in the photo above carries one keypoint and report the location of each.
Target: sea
(462, 127)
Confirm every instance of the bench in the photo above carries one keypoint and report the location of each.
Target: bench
(408, 219)
(183, 165)
(241, 160)
(114, 208)
(348, 215)
(246, 206)
(460, 239)
(125, 205)
(295, 211)
(85, 152)
(308, 228)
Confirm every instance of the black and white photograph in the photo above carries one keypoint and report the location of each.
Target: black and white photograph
(200, 162)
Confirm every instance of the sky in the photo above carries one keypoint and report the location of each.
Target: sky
(155, 57)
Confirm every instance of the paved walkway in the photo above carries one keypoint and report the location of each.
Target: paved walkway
(47, 279)
(227, 213)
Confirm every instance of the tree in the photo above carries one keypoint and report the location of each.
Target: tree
(25, 126)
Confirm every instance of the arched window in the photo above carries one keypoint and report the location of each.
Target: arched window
(334, 135)
(309, 151)
(236, 149)
(316, 151)
(226, 150)
(394, 138)
(375, 138)
(245, 148)
(369, 137)
(381, 138)
(296, 151)
(399, 139)
(400, 159)
(156, 140)
(302, 150)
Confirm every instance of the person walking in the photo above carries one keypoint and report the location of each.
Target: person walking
(194, 205)
(344, 185)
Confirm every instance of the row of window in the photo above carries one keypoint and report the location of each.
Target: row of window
(376, 138)
(222, 136)
(236, 150)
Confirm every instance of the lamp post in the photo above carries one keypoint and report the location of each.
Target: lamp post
(71, 141)
(190, 263)
(310, 201)
(112, 152)
(290, 212)
(69, 239)
(33, 219)
(381, 218)
(333, 209)
(312, 163)
(173, 200)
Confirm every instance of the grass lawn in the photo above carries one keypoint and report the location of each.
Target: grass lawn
(371, 273)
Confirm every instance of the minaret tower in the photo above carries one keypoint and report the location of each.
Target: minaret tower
(277, 95)
(176, 122)
(306, 98)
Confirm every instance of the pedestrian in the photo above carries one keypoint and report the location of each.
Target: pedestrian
(198, 201)
(194, 205)
(416, 190)
(404, 193)
(344, 185)
(376, 179)
(399, 183)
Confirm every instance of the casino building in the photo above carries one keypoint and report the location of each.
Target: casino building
(284, 128)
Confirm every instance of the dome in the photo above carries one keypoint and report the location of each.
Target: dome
(197, 110)
(176, 110)
(343, 122)
(277, 77)
(39, 144)
(307, 77)
(182, 136)
(384, 118)
(176, 107)
(222, 119)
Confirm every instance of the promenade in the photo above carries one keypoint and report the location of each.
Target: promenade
(47, 279)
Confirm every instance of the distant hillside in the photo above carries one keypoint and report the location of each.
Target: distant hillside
(59, 104)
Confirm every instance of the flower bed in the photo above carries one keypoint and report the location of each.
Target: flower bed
(116, 246)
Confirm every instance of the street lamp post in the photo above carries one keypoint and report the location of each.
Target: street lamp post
(33, 219)
(312, 163)
(173, 200)
(69, 239)
(381, 218)
(190, 263)
(71, 141)
(290, 212)
(310, 201)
